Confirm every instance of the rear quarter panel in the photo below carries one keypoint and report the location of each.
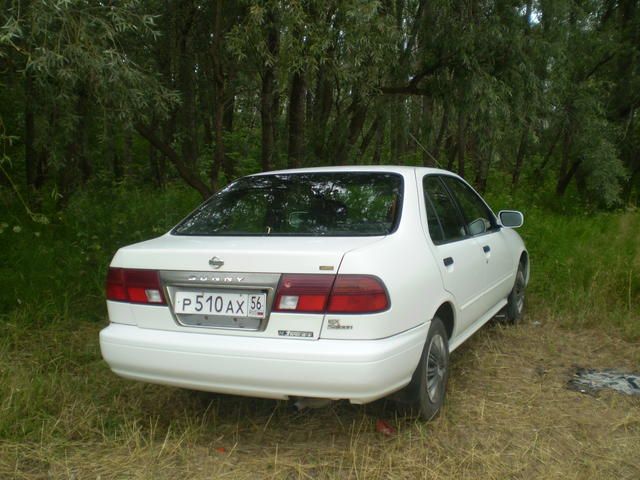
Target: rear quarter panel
(404, 262)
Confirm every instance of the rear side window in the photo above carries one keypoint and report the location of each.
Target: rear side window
(309, 204)
(444, 219)
(478, 218)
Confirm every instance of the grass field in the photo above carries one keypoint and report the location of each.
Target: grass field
(63, 414)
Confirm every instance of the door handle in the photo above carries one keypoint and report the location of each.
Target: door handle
(448, 261)
(486, 249)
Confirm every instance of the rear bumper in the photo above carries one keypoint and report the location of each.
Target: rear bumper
(358, 370)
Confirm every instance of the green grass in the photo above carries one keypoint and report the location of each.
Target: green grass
(586, 270)
(63, 413)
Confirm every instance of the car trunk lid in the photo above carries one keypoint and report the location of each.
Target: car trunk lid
(257, 254)
(230, 273)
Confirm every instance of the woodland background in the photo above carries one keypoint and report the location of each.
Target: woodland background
(533, 95)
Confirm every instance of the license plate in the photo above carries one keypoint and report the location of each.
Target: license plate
(221, 304)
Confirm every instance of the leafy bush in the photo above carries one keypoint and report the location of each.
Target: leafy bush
(58, 269)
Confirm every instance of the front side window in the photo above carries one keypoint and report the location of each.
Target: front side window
(443, 217)
(331, 204)
(478, 218)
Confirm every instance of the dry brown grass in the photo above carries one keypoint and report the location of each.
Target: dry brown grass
(508, 415)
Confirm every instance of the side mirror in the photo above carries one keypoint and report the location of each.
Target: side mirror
(477, 227)
(511, 218)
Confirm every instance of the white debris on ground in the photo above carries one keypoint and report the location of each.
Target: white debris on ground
(587, 380)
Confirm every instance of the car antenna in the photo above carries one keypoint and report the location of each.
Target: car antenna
(425, 150)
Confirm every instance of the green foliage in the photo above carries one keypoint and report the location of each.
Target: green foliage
(72, 46)
(70, 57)
(319, 33)
(62, 264)
(509, 91)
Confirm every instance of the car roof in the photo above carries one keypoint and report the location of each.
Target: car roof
(401, 169)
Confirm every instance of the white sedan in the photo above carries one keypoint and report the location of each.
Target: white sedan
(326, 283)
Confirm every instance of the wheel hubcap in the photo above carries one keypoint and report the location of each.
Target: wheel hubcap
(436, 367)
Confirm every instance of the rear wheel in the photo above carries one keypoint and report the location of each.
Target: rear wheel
(425, 394)
(515, 302)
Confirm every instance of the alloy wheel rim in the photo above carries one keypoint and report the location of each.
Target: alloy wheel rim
(436, 368)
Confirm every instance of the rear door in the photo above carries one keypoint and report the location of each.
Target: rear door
(481, 224)
(457, 253)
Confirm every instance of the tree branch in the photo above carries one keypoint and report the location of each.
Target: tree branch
(187, 174)
(412, 87)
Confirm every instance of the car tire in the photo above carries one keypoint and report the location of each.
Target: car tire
(425, 393)
(515, 301)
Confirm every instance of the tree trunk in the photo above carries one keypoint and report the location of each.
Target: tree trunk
(482, 171)
(522, 149)
(83, 136)
(397, 129)
(296, 120)
(377, 151)
(368, 137)
(538, 171)
(218, 154)
(207, 121)
(565, 173)
(76, 161)
(154, 166)
(185, 83)
(266, 117)
(631, 183)
(112, 153)
(30, 154)
(43, 163)
(356, 122)
(444, 125)
(425, 130)
(563, 181)
(157, 173)
(267, 113)
(451, 150)
(321, 112)
(127, 150)
(461, 143)
(227, 125)
(168, 131)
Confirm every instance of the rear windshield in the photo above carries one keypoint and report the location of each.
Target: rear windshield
(310, 204)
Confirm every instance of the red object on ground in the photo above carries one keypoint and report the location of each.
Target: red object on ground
(385, 428)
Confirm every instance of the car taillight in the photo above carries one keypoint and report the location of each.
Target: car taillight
(314, 293)
(134, 286)
(358, 294)
(303, 293)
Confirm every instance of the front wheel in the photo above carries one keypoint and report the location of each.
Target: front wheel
(426, 392)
